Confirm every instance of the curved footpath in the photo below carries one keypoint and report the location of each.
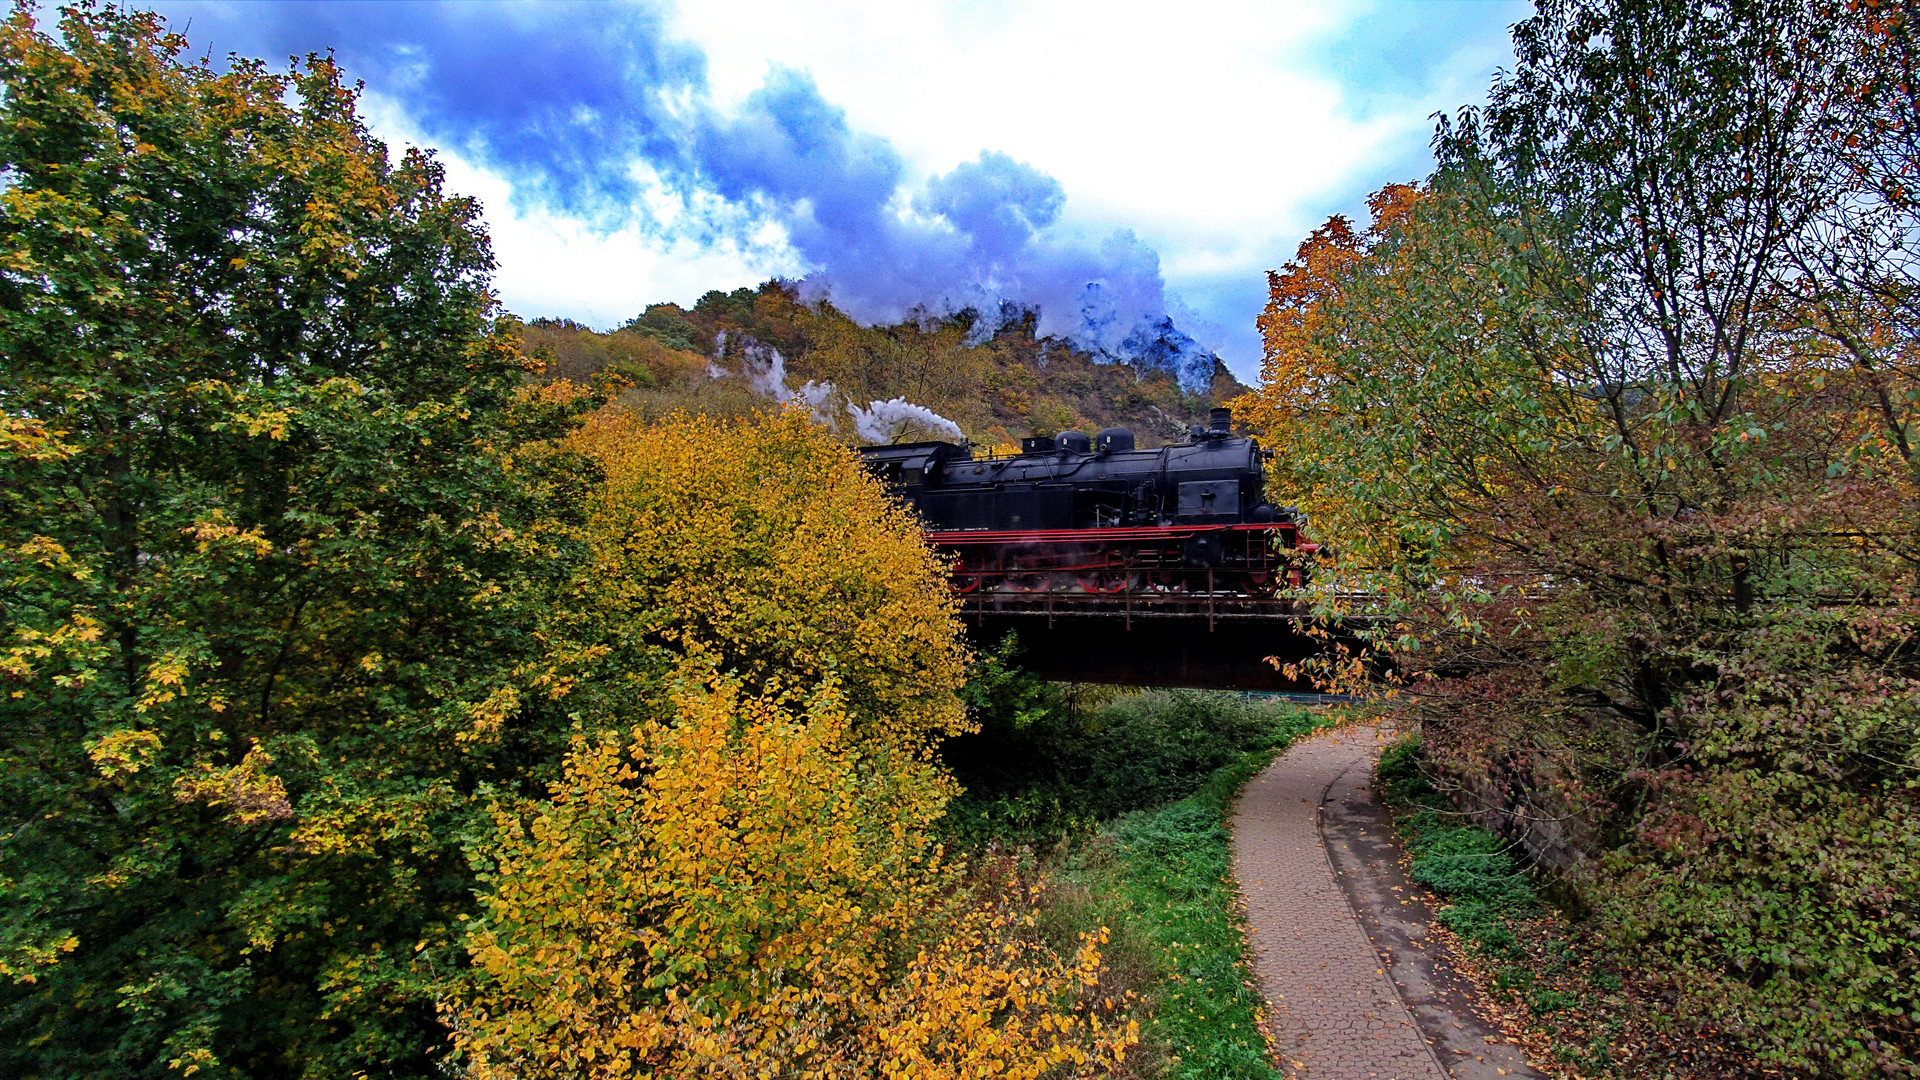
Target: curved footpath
(1339, 935)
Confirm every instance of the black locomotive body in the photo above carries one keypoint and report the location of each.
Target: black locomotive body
(1074, 515)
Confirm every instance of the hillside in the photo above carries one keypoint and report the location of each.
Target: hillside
(734, 352)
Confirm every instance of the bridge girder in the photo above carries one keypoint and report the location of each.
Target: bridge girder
(1198, 651)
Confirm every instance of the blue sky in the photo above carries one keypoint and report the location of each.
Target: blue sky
(1113, 164)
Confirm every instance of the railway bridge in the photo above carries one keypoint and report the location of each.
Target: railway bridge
(1150, 567)
(1221, 651)
(1131, 628)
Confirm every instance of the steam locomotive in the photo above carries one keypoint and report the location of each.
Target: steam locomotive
(1081, 517)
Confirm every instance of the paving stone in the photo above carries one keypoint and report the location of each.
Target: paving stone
(1336, 1014)
(1395, 915)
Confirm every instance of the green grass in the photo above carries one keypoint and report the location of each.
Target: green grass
(1463, 864)
(1162, 770)
(1170, 868)
(1043, 767)
(1487, 895)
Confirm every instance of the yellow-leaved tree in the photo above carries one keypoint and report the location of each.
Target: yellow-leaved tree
(761, 548)
(737, 874)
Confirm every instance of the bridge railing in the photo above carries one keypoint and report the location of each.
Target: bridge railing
(1128, 603)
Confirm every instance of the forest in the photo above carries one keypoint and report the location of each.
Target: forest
(734, 353)
(397, 687)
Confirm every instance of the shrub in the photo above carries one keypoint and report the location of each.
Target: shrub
(1463, 861)
(760, 548)
(1398, 777)
(1038, 766)
(1471, 868)
(1772, 875)
(745, 886)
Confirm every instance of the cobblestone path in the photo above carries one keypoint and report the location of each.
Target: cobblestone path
(1336, 1014)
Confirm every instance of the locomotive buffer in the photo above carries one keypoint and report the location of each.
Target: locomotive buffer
(1162, 567)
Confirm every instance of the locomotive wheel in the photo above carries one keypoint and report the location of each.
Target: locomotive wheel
(1105, 582)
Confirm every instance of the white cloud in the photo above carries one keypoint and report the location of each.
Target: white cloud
(1212, 130)
(1218, 133)
(557, 266)
(1205, 117)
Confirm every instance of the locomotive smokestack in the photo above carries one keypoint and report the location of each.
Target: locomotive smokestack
(1220, 420)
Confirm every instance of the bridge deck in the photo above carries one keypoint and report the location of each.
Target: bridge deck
(1218, 650)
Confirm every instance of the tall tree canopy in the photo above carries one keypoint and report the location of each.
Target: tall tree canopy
(1612, 419)
(266, 542)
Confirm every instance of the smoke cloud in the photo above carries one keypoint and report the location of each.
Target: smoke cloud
(594, 111)
(891, 421)
(766, 372)
(880, 422)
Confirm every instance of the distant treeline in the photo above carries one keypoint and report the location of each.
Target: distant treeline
(998, 387)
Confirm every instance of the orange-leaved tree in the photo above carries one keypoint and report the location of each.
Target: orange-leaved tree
(1295, 376)
(738, 871)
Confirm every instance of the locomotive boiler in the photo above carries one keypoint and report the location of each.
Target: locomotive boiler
(1078, 517)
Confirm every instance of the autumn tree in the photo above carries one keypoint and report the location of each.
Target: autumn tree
(1853, 278)
(761, 549)
(1630, 514)
(268, 533)
(739, 871)
(1297, 384)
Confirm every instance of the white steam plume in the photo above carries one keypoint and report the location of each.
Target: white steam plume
(766, 372)
(886, 421)
(880, 422)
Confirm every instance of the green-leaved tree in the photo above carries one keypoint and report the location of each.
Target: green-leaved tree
(268, 538)
(1613, 422)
